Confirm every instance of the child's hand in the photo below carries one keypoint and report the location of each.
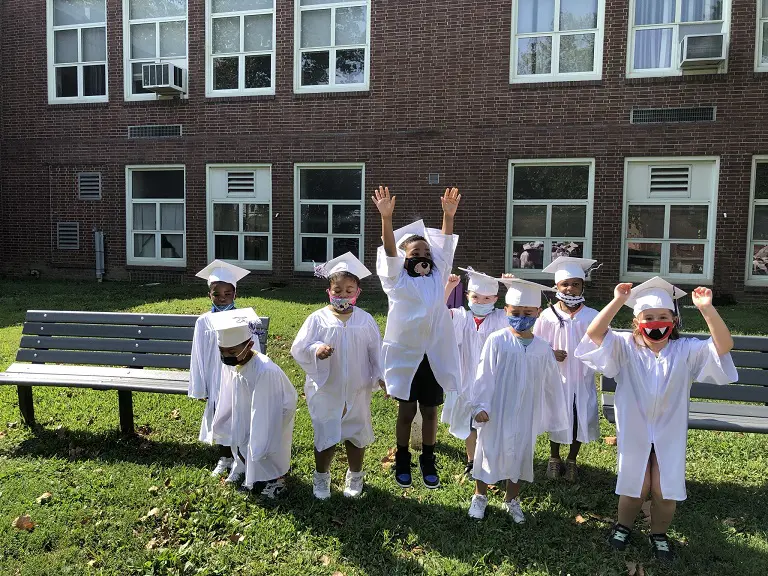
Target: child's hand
(450, 201)
(384, 202)
(482, 416)
(507, 275)
(453, 281)
(621, 292)
(323, 352)
(702, 297)
(560, 355)
(383, 387)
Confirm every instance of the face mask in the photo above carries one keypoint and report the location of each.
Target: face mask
(481, 309)
(235, 360)
(341, 304)
(570, 301)
(656, 331)
(419, 266)
(215, 308)
(521, 323)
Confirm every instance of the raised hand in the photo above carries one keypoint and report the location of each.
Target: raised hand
(450, 201)
(622, 291)
(323, 352)
(384, 202)
(702, 297)
(453, 281)
(507, 275)
(560, 355)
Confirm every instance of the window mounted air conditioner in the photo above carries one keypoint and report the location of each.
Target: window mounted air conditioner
(164, 78)
(702, 51)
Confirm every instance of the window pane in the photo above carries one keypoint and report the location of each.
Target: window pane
(571, 249)
(643, 257)
(257, 248)
(550, 183)
(144, 245)
(157, 8)
(535, 16)
(654, 11)
(765, 39)
(529, 220)
(314, 218)
(240, 5)
(760, 223)
(346, 220)
(350, 25)
(688, 222)
(66, 82)
(137, 84)
(226, 35)
(314, 68)
(225, 217)
(318, 2)
(645, 222)
(94, 44)
(577, 53)
(226, 73)
(578, 14)
(331, 184)
(258, 71)
(171, 216)
(256, 218)
(569, 221)
(143, 40)
(344, 245)
(94, 80)
(315, 28)
(687, 29)
(653, 48)
(686, 258)
(534, 55)
(144, 217)
(171, 246)
(701, 10)
(258, 33)
(350, 66)
(225, 247)
(65, 46)
(158, 184)
(528, 254)
(173, 39)
(760, 260)
(761, 179)
(69, 12)
(314, 250)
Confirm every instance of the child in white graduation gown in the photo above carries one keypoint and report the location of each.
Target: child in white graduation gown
(654, 368)
(472, 326)
(263, 402)
(516, 396)
(419, 353)
(205, 366)
(339, 347)
(563, 325)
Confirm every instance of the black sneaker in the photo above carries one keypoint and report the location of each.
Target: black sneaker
(429, 471)
(403, 469)
(468, 469)
(661, 547)
(619, 537)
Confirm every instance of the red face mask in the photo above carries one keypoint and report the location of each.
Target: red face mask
(656, 331)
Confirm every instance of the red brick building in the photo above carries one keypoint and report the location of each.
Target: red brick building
(631, 131)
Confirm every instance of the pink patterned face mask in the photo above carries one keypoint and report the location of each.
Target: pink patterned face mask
(342, 304)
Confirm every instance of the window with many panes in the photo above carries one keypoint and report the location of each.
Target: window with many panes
(77, 51)
(240, 214)
(328, 212)
(657, 28)
(761, 53)
(549, 212)
(557, 40)
(757, 258)
(155, 31)
(241, 58)
(155, 215)
(332, 45)
(669, 218)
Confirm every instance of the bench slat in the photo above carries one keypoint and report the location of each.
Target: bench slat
(97, 383)
(751, 376)
(116, 318)
(733, 392)
(106, 345)
(101, 372)
(750, 359)
(106, 331)
(104, 358)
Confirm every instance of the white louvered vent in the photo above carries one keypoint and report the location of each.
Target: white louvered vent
(89, 185)
(674, 181)
(241, 183)
(68, 235)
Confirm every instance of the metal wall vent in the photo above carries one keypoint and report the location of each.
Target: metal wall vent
(89, 185)
(68, 235)
(659, 115)
(434, 178)
(670, 181)
(157, 131)
(241, 182)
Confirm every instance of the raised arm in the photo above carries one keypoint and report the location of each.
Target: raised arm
(721, 336)
(386, 206)
(450, 286)
(450, 202)
(599, 326)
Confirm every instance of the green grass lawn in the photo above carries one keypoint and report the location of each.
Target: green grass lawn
(103, 486)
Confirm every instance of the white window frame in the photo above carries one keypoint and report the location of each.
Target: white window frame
(749, 279)
(52, 98)
(595, 74)
(709, 244)
(241, 55)
(130, 260)
(675, 69)
(511, 203)
(297, 203)
(128, 61)
(331, 86)
(762, 22)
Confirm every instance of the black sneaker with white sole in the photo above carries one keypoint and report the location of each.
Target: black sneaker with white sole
(403, 469)
(429, 474)
(619, 537)
(661, 547)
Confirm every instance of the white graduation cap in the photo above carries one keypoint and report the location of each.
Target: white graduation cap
(234, 327)
(522, 292)
(654, 293)
(344, 263)
(566, 267)
(481, 283)
(220, 271)
(413, 229)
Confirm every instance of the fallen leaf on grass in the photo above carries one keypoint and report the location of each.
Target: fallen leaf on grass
(219, 544)
(610, 440)
(175, 414)
(730, 522)
(144, 430)
(150, 514)
(24, 523)
(325, 560)
(3, 433)
(389, 459)
(635, 569)
(12, 424)
(236, 538)
(580, 519)
(44, 498)
(93, 563)
(275, 554)
(153, 489)
(460, 479)
(337, 573)
(416, 550)
(151, 545)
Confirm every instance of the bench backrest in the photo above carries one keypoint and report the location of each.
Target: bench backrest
(749, 356)
(112, 339)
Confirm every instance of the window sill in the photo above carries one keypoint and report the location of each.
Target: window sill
(678, 79)
(752, 283)
(557, 83)
(171, 103)
(165, 267)
(78, 105)
(215, 99)
(332, 95)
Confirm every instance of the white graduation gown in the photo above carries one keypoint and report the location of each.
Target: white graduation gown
(457, 410)
(205, 377)
(418, 321)
(652, 395)
(520, 389)
(264, 407)
(578, 378)
(345, 380)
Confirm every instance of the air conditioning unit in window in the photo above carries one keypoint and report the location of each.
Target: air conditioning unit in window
(164, 78)
(702, 51)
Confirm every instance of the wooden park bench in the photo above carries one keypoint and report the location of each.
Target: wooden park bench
(751, 392)
(105, 351)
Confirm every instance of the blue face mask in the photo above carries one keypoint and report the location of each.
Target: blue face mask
(215, 308)
(481, 309)
(521, 323)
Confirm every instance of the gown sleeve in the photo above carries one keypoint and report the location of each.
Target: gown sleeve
(198, 381)
(270, 402)
(481, 390)
(554, 412)
(442, 247)
(304, 351)
(458, 318)
(607, 358)
(389, 268)
(373, 334)
(706, 365)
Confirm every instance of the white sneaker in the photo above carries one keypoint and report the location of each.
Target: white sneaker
(513, 507)
(237, 473)
(353, 484)
(321, 485)
(477, 508)
(274, 488)
(223, 465)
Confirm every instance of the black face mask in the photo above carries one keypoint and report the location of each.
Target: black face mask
(230, 360)
(419, 266)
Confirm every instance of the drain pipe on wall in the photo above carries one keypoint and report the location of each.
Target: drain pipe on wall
(98, 244)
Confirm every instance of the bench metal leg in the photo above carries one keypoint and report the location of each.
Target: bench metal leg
(26, 406)
(125, 403)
